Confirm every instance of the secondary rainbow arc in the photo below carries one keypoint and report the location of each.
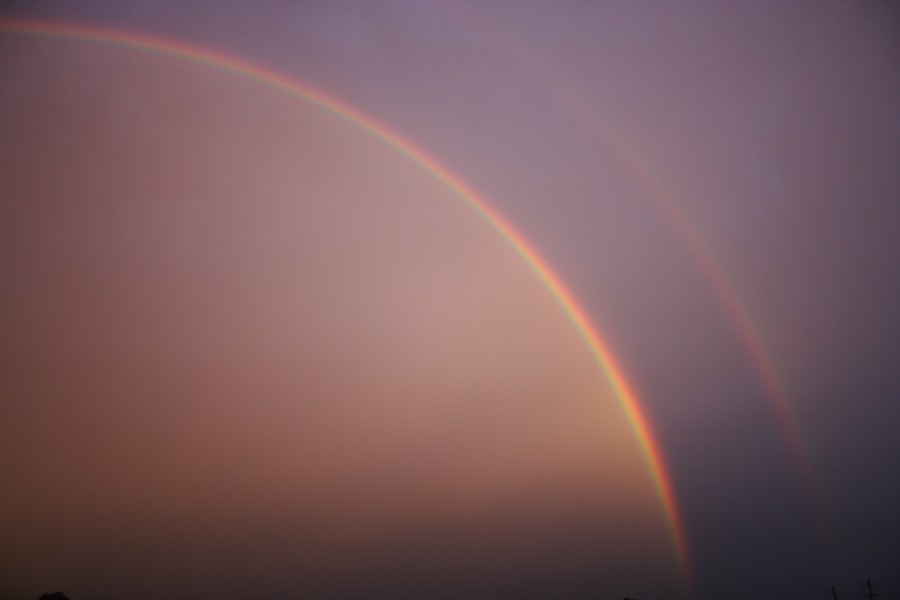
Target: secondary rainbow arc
(723, 288)
(715, 274)
(600, 350)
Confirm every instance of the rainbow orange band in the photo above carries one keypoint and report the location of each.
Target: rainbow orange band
(601, 352)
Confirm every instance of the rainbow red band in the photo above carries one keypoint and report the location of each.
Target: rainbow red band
(600, 350)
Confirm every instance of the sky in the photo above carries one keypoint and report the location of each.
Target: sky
(338, 299)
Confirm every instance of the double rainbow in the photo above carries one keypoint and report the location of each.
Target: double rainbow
(668, 205)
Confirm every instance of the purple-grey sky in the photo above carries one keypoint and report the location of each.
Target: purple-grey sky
(248, 350)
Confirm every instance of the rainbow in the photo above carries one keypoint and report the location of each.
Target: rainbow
(625, 394)
(665, 201)
(736, 311)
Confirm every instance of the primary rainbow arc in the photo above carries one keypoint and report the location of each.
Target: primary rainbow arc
(625, 395)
